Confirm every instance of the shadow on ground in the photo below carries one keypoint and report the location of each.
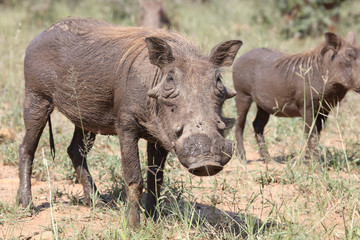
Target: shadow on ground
(211, 219)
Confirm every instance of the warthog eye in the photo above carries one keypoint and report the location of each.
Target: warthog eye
(169, 84)
(220, 88)
(350, 54)
(219, 84)
(169, 88)
(169, 79)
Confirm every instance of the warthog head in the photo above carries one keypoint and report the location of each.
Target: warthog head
(189, 98)
(342, 58)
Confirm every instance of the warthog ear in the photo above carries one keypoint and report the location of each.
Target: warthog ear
(160, 53)
(350, 37)
(332, 41)
(223, 54)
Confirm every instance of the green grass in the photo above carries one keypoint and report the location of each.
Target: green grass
(291, 202)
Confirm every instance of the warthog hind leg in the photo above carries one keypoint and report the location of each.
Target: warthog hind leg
(79, 147)
(259, 123)
(37, 110)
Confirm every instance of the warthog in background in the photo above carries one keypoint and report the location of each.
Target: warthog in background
(303, 85)
(153, 14)
(133, 83)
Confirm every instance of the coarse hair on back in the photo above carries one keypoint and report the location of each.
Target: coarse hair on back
(132, 38)
(311, 59)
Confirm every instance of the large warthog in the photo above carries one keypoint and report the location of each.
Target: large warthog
(130, 82)
(303, 85)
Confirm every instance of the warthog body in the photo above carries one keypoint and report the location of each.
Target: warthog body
(133, 83)
(303, 85)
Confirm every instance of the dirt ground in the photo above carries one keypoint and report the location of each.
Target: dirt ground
(40, 225)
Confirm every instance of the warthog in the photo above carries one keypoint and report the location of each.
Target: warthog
(153, 14)
(130, 82)
(303, 85)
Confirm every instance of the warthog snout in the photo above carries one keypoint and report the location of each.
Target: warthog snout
(204, 156)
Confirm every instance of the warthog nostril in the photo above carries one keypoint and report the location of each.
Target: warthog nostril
(179, 131)
(205, 169)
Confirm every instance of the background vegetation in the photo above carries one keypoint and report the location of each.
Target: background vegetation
(288, 201)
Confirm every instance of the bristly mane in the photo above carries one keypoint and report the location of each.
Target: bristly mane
(310, 60)
(132, 39)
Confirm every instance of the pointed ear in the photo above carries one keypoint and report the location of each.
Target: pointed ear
(160, 53)
(350, 37)
(223, 54)
(332, 42)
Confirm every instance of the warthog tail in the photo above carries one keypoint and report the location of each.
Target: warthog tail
(52, 145)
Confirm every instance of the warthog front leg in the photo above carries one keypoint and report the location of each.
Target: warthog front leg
(132, 173)
(36, 112)
(312, 132)
(259, 123)
(80, 145)
(156, 162)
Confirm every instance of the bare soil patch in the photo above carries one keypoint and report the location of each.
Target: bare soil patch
(226, 194)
